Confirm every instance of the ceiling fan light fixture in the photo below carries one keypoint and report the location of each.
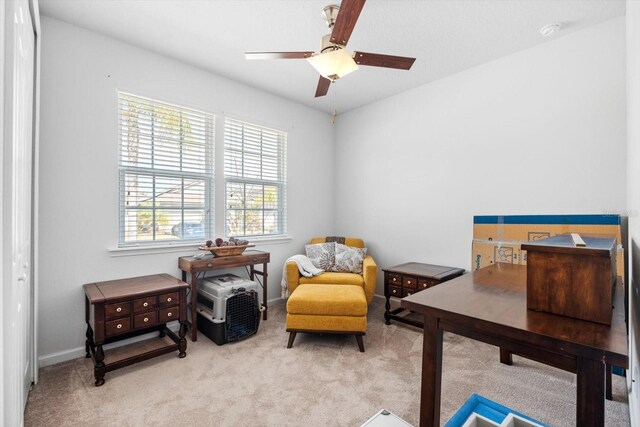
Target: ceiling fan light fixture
(330, 14)
(334, 64)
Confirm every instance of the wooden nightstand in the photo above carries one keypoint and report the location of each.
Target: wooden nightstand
(120, 309)
(405, 279)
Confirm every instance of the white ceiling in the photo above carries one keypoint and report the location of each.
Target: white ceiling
(446, 36)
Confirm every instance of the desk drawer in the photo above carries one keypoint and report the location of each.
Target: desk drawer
(395, 291)
(145, 320)
(118, 326)
(168, 314)
(167, 300)
(426, 283)
(409, 282)
(120, 309)
(406, 292)
(142, 305)
(394, 279)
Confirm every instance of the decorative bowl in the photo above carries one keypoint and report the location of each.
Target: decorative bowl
(219, 251)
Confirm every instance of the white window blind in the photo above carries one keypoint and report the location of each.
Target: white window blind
(255, 178)
(166, 171)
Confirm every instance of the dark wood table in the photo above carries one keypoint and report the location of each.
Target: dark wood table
(199, 267)
(490, 305)
(119, 309)
(406, 279)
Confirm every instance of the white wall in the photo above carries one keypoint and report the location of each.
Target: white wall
(410, 171)
(5, 272)
(78, 209)
(633, 201)
(541, 131)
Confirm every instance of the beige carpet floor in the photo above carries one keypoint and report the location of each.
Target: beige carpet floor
(321, 381)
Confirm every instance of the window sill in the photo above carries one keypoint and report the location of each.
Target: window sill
(269, 239)
(188, 248)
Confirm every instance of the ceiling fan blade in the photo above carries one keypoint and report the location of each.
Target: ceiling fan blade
(386, 61)
(346, 20)
(323, 86)
(277, 55)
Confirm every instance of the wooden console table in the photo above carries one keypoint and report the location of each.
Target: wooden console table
(193, 266)
(490, 305)
(406, 279)
(120, 309)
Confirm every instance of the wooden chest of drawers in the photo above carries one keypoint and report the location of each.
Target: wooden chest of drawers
(572, 281)
(405, 279)
(120, 309)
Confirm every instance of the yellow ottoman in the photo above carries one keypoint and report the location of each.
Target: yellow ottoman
(334, 309)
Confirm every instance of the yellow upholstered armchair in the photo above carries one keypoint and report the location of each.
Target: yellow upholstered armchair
(331, 302)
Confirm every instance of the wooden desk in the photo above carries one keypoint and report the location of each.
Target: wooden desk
(406, 279)
(209, 263)
(490, 305)
(120, 309)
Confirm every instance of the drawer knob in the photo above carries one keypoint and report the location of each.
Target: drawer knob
(118, 310)
(169, 299)
(146, 319)
(119, 326)
(424, 285)
(408, 293)
(145, 304)
(394, 291)
(408, 282)
(169, 314)
(394, 279)
(209, 265)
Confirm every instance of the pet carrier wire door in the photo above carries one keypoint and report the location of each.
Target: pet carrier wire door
(243, 315)
(228, 308)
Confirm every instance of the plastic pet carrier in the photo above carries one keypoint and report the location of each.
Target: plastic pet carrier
(228, 308)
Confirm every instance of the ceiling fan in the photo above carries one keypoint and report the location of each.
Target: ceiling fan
(333, 61)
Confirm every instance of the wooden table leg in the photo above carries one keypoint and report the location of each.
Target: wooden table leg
(182, 344)
(265, 276)
(431, 373)
(506, 357)
(88, 344)
(194, 307)
(99, 368)
(590, 393)
(609, 392)
(387, 308)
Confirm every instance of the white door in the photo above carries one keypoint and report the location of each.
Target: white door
(17, 162)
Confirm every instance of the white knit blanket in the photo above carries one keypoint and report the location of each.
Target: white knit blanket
(305, 267)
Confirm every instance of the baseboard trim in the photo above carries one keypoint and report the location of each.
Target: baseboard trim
(59, 357)
(274, 300)
(74, 353)
(634, 411)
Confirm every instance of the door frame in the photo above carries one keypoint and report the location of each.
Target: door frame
(34, 8)
(6, 83)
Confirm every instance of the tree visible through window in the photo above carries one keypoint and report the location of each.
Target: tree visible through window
(255, 178)
(166, 171)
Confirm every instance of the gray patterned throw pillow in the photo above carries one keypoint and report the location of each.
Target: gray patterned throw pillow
(349, 259)
(322, 255)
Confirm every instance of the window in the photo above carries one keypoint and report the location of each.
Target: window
(255, 179)
(166, 171)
